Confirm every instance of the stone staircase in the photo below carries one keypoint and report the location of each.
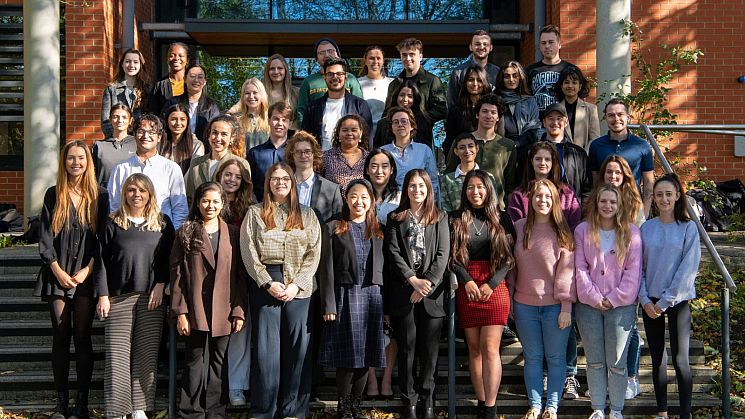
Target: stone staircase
(26, 382)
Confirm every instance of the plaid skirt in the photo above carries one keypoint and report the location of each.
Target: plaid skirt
(492, 312)
(355, 339)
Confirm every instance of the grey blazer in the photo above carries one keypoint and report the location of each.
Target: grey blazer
(586, 124)
(325, 199)
(113, 94)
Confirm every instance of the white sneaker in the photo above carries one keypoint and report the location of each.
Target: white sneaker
(632, 388)
(236, 398)
(598, 414)
(139, 414)
(615, 414)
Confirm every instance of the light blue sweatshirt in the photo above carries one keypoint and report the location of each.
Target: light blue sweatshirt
(672, 253)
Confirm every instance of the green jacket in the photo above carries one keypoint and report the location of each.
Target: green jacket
(314, 86)
(497, 157)
(451, 188)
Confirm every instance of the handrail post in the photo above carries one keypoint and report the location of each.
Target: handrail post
(451, 346)
(728, 285)
(726, 380)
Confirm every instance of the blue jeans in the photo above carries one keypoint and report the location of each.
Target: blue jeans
(632, 365)
(541, 337)
(605, 335)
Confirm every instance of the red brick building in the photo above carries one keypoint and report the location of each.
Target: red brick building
(707, 93)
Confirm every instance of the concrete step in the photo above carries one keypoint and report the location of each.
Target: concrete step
(510, 406)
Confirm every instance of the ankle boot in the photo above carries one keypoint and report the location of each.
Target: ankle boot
(80, 411)
(356, 409)
(63, 405)
(480, 409)
(344, 408)
(490, 412)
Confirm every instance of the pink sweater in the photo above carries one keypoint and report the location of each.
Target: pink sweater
(544, 274)
(599, 275)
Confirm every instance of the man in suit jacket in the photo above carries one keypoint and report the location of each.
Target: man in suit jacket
(304, 155)
(322, 114)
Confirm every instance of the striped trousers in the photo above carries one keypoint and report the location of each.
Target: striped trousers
(132, 340)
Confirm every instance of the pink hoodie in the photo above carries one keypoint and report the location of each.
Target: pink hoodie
(598, 275)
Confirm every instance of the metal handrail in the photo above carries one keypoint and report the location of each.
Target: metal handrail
(729, 284)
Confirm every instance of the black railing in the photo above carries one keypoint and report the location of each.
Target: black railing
(729, 284)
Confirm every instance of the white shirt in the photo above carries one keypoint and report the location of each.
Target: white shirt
(167, 180)
(459, 173)
(375, 93)
(331, 115)
(305, 189)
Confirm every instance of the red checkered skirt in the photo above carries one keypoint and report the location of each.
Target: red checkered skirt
(492, 312)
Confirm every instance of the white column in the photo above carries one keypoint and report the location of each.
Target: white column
(613, 53)
(41, 102)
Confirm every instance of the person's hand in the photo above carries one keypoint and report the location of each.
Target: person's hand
(485, 292)
(565, 320)
(650, 310)
(422, 286)
(65, 280)
(329, 317)
(80, 276)
(104, 305)
(237, 325)
(156, 296)
(472, 291)
(416, 297)
(607, 304)
(276, 290)
(291, 291)
(600, 306)
(182, 325)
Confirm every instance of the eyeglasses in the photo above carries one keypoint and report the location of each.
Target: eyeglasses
(283, 179)
(340, 75)
(143, 133)
(402, 122)
(306, 153)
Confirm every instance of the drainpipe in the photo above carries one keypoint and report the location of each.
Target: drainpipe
(128, 24)
(540, 21)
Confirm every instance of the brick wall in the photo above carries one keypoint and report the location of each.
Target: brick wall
(93, 34)
(706, 93)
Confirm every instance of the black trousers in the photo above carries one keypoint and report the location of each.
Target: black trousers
(679, 324)
(200, 399)
(418, 336)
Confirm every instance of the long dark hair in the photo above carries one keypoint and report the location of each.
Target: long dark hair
(499, 243)
(372, 226)
(243, 196)
(467, 112)
(529, 172)
(418, 107)
(391, 188)
(522, 87)
(363, 69)
(191, 232)
(185, 145)
(679, 210)
(430, 212)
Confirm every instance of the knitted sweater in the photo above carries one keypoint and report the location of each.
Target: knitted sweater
(544, 273)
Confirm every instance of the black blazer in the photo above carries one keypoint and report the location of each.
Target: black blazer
(325, 199)
(313, 117)
(339, 264)
(397, 288)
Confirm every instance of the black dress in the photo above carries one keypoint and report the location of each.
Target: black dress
(73, 248)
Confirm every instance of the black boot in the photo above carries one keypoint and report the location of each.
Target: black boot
(490, 412)
(63, 405)
(480, 412)
(344, 408)
(80, 411)
(354, 404)
(409, 412)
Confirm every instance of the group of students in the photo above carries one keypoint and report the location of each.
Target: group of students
(286, 251)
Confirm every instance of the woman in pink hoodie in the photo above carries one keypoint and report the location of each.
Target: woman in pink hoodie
(608, 259)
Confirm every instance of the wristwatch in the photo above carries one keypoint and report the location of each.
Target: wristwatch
(266, 286)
